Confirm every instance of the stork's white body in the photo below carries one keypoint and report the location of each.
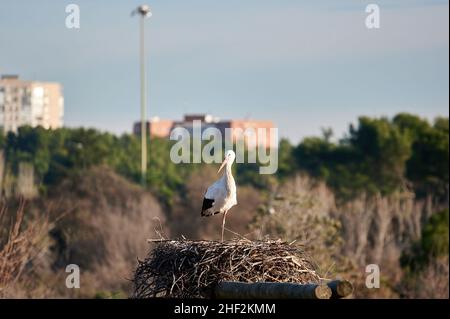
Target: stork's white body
(221, 195)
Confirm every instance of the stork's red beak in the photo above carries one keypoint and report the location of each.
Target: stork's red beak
(223, 164)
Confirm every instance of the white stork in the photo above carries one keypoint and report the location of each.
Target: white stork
(221, 195)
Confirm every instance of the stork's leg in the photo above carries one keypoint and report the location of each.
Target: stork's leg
(223, 222)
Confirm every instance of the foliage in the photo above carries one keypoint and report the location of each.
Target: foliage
(433, 243)
(56, 154)
(382, 156)
(379, 155)
(435, 235)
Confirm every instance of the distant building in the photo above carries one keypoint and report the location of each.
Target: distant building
(30, 103)
(162, 128)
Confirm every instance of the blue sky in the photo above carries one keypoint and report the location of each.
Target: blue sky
(303, 64)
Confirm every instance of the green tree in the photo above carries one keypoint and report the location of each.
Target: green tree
(435, 235)
(434, 243)
(384, 150)
(286, 160)
(427, 168)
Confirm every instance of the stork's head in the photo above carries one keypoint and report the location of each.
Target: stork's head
(229, 158)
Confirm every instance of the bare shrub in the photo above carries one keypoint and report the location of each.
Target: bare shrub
(105, 230)
(430, 282)
(433, 281)
(102, 225)
(377, 229)
(25, 243)
(344, 237)
(300, 210)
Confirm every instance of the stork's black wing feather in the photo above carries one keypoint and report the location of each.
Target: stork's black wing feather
(207, 204)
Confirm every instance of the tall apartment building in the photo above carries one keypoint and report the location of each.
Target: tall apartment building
(162, 128)
(30, 103)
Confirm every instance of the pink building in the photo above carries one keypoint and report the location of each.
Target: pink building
(162, 128)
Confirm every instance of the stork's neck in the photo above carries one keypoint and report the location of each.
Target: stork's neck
(228, 176)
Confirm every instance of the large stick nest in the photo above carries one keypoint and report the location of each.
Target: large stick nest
(191, 269)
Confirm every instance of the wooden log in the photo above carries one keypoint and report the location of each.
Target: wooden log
(340, 288)
(270, 290)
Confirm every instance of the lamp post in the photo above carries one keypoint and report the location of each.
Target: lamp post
(144, 12)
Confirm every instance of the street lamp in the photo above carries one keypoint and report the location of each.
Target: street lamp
(144, 12)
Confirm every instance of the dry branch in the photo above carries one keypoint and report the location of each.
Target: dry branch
(23, 244)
